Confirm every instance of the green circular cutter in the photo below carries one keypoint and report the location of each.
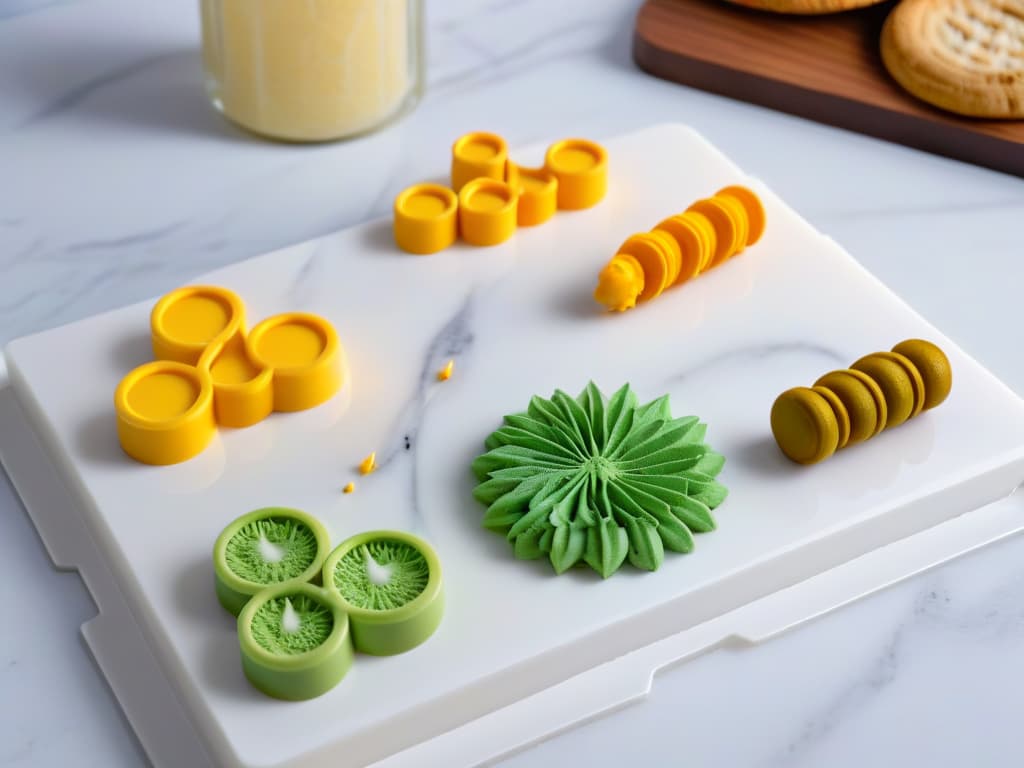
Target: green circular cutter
(295, 641)
(266, 547)
(389, 583)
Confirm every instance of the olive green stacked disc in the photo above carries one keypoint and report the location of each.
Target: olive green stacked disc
(849, 406)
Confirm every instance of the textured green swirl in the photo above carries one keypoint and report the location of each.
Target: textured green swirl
(315, 625)
(598, 480)
(408, 578)
(294, 538)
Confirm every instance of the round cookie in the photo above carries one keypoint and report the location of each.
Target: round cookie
(804, 425)
(895, 384)
(965, 56)
(805, 7)
(863, 399)
(915, 378)
(933, 365)
(881, 407)
(841, 414)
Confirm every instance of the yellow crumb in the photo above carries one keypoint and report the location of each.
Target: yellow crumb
(349, 488)
(446, 373)
(367, 465)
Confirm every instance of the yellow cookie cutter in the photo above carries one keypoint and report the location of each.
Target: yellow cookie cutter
(581, 167)
(538, 193)
(209, 371)
(426, 218)
(487, 211)
(478, 154)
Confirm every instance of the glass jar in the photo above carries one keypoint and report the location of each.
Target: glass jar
(312, 70)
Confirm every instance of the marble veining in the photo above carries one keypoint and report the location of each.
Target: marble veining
(121, 147)
(83, 91)
(455, 339)
(867, 684)
(996, 622)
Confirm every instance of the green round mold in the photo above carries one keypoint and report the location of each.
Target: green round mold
(295, 542)
(396, 615)
(299, 664)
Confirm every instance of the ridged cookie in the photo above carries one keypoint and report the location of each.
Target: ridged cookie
(805, 7)
(966, 56)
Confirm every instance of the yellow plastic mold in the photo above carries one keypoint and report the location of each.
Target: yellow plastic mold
(430, 217)
(185, 322)
(538, 194)
(581, 167)
(304, 354)
(487, 212)
(478, 154)
(426, 218)
(164, 412)
(209, 371)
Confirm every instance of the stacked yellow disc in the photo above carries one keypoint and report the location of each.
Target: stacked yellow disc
(848, 406)
(681, 247)
(490, 195)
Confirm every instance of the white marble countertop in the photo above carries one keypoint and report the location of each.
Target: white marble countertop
(118, 182)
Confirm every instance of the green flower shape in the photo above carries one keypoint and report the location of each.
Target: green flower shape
(596, 480)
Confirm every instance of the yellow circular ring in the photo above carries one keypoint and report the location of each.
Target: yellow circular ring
(581, 167)
(425, 218)
(187, 320)
(304, 353)
(164, 412)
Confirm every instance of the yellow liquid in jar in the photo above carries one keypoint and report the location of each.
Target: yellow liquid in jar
(309, 70)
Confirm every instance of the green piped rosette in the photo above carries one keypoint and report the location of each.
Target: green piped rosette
(599, 481)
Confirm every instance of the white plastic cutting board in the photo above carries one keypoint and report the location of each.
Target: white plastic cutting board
(519, 320)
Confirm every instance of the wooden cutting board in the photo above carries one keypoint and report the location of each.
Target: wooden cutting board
(826, 68)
